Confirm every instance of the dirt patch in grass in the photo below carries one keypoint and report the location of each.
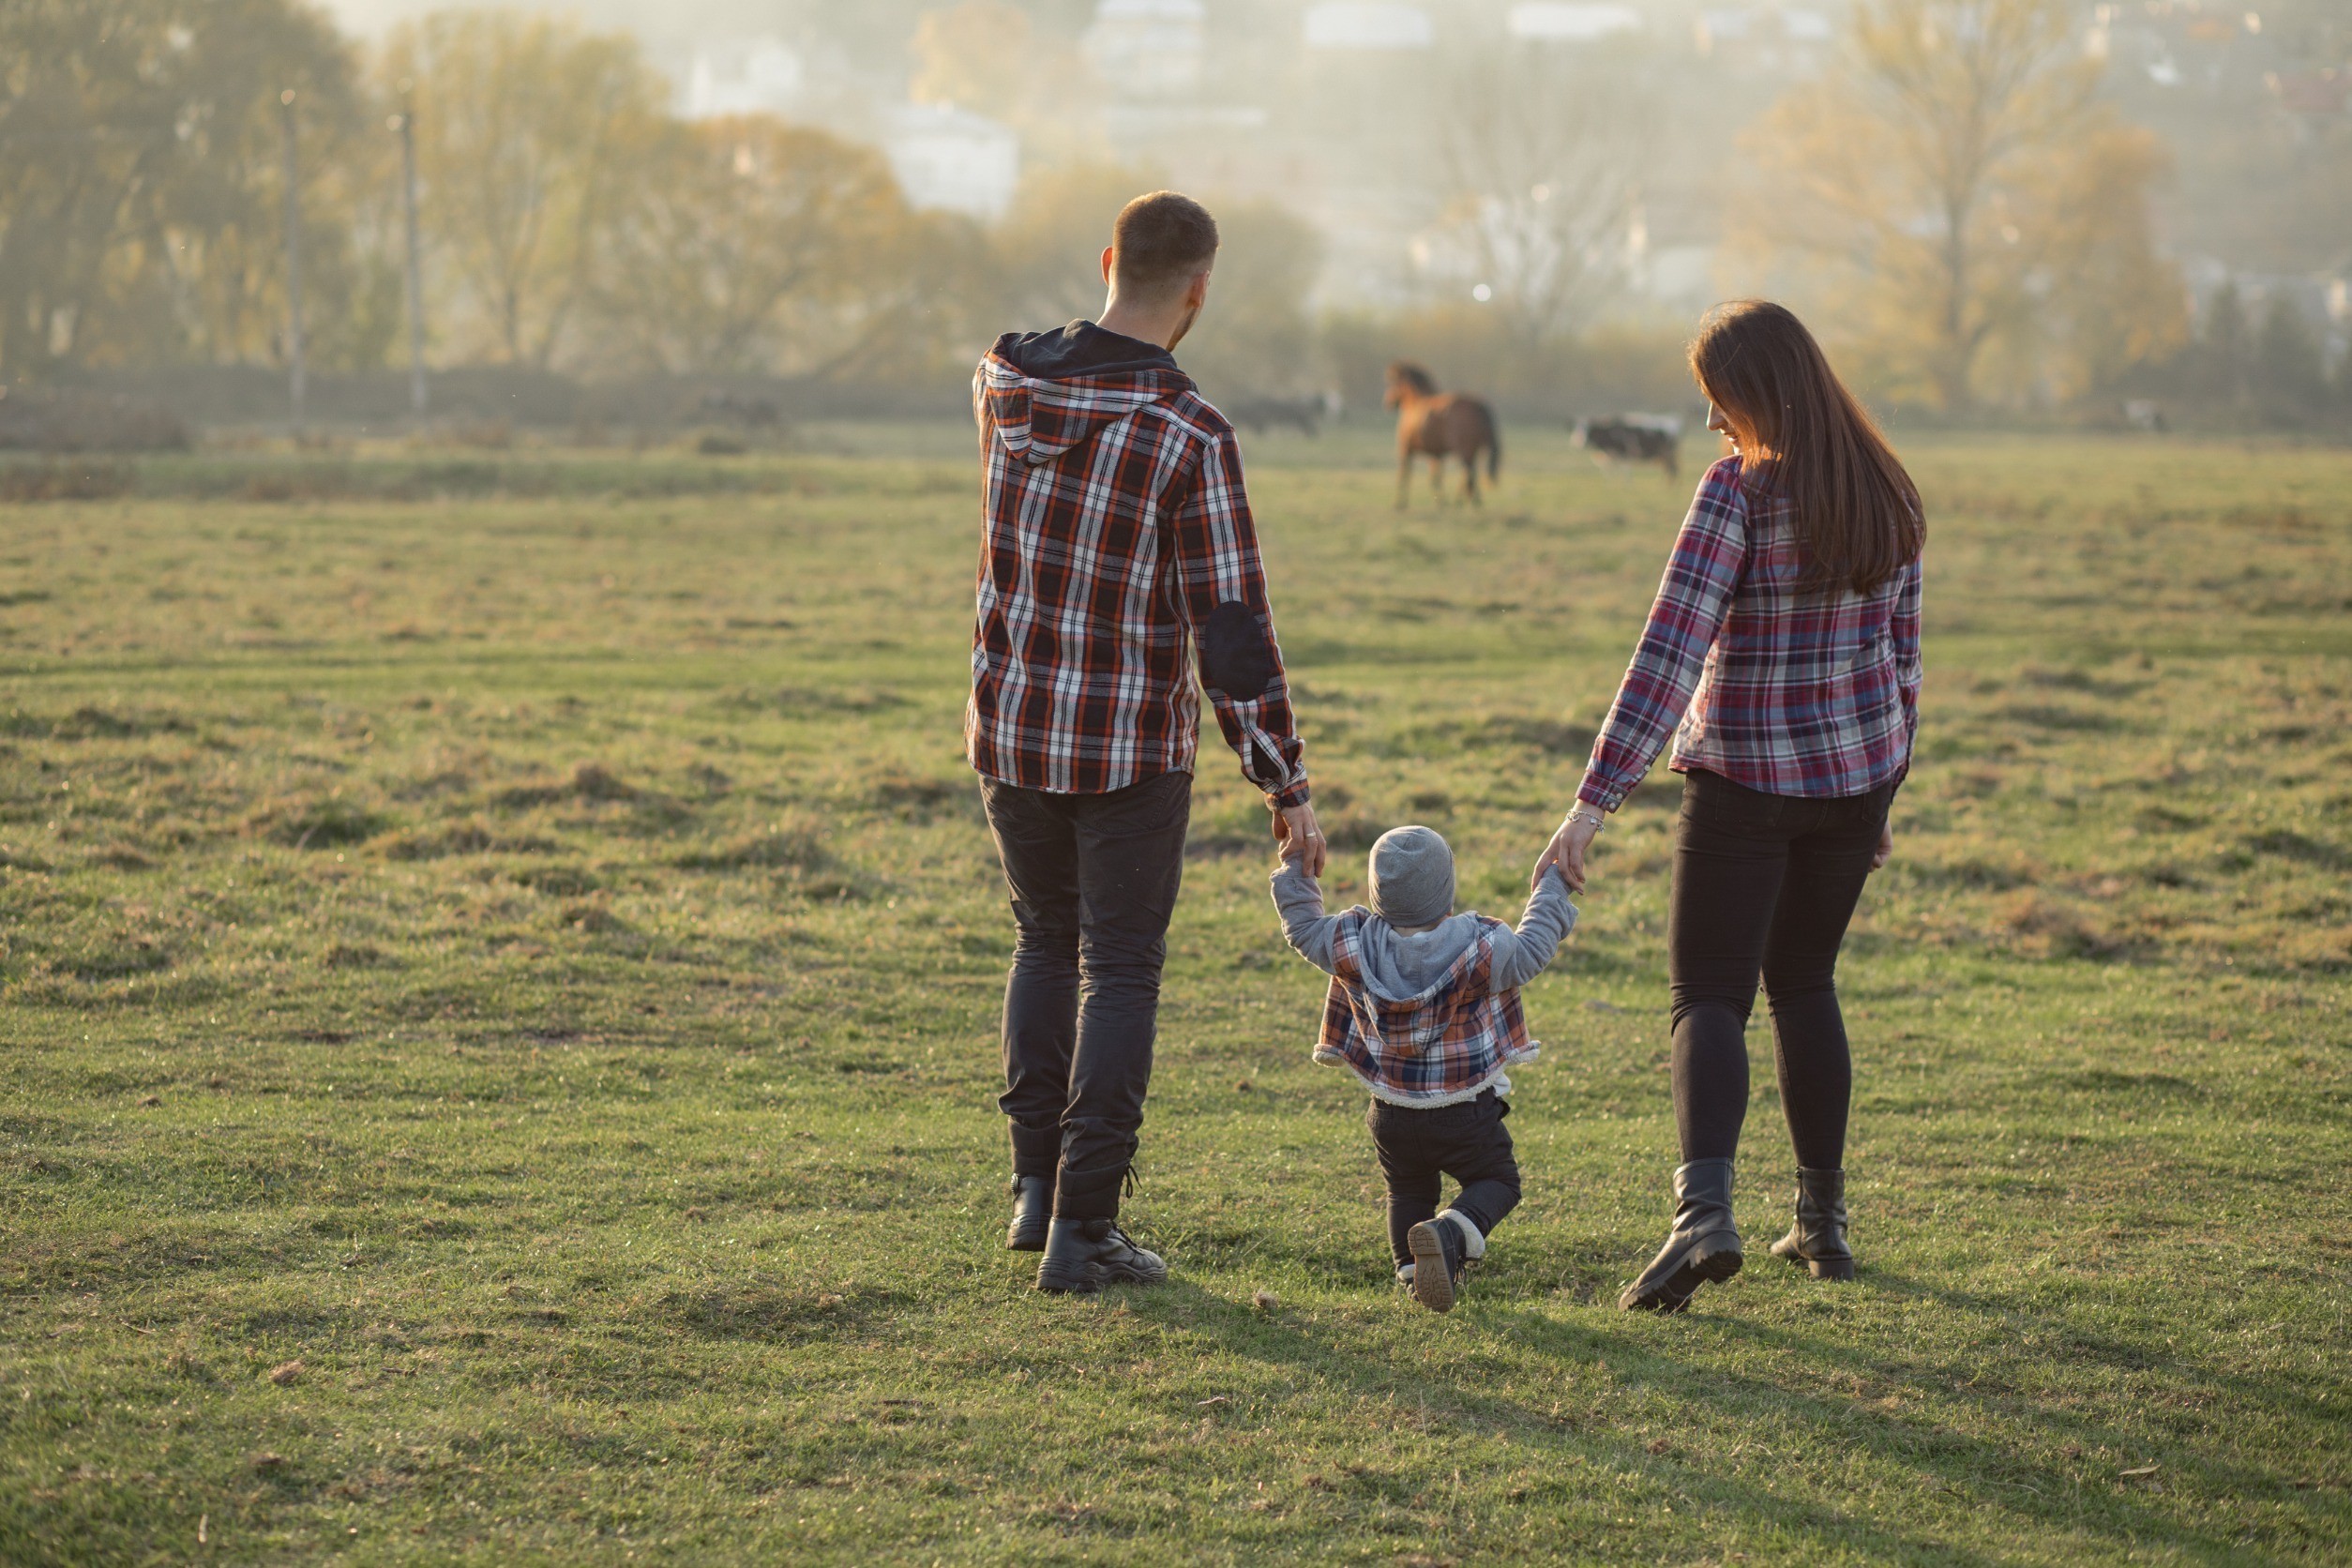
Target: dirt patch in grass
(785, 847)
(801, 1313)
(327, 822)
(588, 781)
(473, 838)
(917, 797)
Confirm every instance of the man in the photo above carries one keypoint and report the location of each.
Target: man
(1116, 535)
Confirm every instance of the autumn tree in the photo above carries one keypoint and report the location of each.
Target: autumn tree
(754, 246)
(533, 138)
(2091, 296)
(985, 57)
(1540, 157)
(1957, 189)
(216, 235)
(968, 54)
(2289, 367)
(1256, 335)
(1049, 246)
(141, 191)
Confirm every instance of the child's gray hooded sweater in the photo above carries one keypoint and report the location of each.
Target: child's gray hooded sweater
(1401, 965)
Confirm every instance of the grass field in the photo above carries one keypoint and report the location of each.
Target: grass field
(500, 977)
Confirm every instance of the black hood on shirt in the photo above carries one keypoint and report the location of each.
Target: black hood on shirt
(1049, 393)
(1081, 348)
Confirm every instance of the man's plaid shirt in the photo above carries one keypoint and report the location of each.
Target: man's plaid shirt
(1789, 691)
(1117, 535)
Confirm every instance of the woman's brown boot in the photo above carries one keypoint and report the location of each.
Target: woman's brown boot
(1818, 1239)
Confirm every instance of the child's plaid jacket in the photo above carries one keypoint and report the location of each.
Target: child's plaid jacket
(1450, 1043)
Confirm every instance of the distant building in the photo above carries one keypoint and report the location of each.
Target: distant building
(765, 77)
(1149, 48)
(1368, 24)
(1562, 22)
(1766, 38)
(949, 160)
(2316, 95)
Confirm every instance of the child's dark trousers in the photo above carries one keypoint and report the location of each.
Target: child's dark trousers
(1467, 1141)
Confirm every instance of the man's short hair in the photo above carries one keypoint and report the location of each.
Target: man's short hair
(1162, 240)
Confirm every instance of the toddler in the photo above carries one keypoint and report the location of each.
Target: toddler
(1423, 1008)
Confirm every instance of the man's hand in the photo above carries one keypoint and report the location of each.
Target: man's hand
(1301, 840)
(1886, 845)
(1567, 850)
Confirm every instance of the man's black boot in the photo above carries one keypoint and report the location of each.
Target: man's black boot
(1084, 1255)
(1817, 1239)
(1032, 1211)
(1704, 1244)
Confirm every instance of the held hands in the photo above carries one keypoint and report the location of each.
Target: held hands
(1301, 838)
(1568, 847)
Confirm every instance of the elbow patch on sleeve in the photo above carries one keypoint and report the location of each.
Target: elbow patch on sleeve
(1237, 654)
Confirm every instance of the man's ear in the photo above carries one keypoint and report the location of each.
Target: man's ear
(1196, 297)
(1110, 254)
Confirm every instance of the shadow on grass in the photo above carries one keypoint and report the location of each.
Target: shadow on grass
(772, 1314)
(1982, 1471)
(2195, 1385)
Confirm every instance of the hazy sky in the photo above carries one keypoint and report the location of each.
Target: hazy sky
(876, 31)
(655, 20)
(372, 14)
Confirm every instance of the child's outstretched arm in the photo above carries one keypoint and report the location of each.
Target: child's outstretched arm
(1522, 955)
(1299, 899)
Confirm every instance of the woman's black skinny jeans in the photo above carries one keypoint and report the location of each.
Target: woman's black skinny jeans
(1764, 885)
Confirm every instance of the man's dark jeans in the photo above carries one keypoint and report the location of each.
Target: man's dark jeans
(1467, 1141)
(1094, 880)
(1764, 885)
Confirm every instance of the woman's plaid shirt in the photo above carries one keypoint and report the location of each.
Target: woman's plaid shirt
(1789, 691)
(1116, 527)
(1448, 1045)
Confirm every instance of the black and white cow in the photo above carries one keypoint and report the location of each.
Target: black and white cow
(1304, 415)
(1632, 438)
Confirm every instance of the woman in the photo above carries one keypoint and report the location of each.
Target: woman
(1783, 654)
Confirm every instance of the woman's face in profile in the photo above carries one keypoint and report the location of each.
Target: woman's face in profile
(1717, 422)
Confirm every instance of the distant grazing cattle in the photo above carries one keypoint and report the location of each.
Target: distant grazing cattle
(1440, 425)
(1258, 416)
(747, 408)
(1632, 438)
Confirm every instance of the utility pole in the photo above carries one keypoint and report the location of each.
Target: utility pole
(405, 122)
(294, 256)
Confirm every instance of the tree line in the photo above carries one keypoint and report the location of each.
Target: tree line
(1955, 201)
(571, 223)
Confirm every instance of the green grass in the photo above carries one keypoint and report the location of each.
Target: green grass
(530, 959)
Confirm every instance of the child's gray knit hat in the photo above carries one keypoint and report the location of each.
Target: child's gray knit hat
(1413, 877)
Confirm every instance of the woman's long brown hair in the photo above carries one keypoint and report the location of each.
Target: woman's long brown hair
(1808, 441)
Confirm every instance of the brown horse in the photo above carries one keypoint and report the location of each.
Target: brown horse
(1438, 426)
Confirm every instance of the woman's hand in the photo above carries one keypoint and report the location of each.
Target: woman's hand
(1567, 849)
(1886, 844)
